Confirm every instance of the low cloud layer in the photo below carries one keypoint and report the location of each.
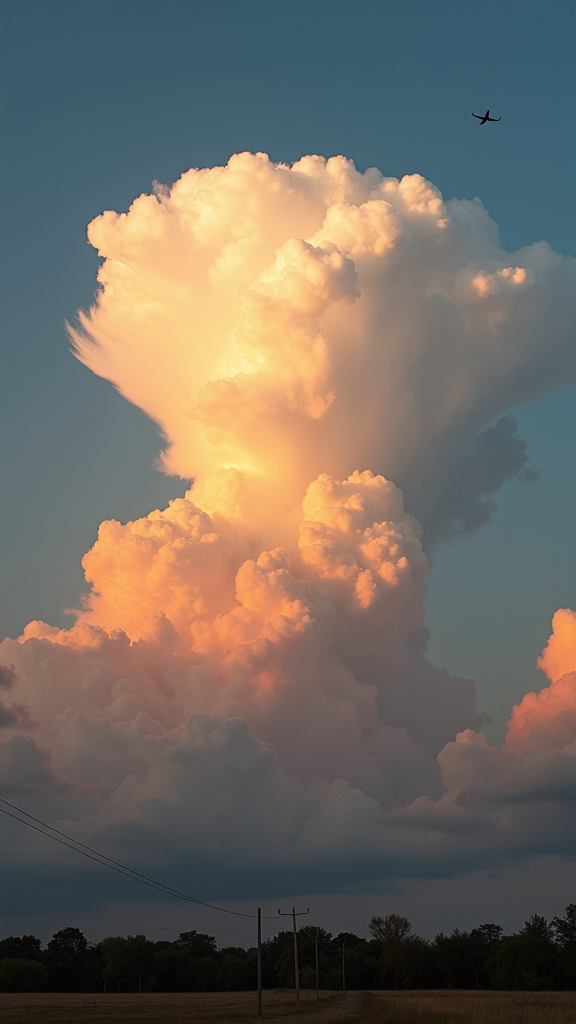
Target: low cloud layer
(247, 681)
(144, 749)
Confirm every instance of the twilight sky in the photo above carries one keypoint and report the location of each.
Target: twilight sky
(293, 325)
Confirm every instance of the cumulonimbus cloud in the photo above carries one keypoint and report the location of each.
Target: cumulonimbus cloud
(293, 321)
(248, 674)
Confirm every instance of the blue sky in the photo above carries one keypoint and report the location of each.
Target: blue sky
(99, 100)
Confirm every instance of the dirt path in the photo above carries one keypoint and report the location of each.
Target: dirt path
(346, 1006)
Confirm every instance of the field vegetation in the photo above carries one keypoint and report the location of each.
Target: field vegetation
(408, 1007)
(449, 1007)
(156, 1007)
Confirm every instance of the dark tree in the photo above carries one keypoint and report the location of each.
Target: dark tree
(205, 972)
(65, 959)
(237, 971)
(484, 942)
(539, 956)
(452, 954)
(527, 960)
(418, 970)
(93, 968)
(197, 943)
(276, 962)
(284, 965)
(363, 964)
(564, 932)
(19, 975)
(173, 968)
(393, 933)
(22, 947)
(128, 962)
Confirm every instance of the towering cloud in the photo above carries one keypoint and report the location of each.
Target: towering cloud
(293, 321)
(247, 678)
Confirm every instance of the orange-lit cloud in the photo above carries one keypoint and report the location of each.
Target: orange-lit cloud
(289, 321)
(559, 655)
(247, 676)
(548, 719)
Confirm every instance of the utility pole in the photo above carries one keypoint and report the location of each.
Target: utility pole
(259, 961)
(343, 968)
(317, 971)
(294, 915)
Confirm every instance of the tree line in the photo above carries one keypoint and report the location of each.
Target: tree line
(542, 955)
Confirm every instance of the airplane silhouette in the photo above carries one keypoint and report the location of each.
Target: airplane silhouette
(485, 117)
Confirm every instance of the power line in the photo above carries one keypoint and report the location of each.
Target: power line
(317, 943)
(108, 862)
(103, 858)
(313, 935)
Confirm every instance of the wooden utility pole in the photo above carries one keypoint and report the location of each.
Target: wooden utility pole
(343, 968)
(317, 971)
(259, 961)
(294, 915)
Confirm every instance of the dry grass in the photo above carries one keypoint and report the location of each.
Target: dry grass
(152, 1008)
(449, 1007)
(435, 1007)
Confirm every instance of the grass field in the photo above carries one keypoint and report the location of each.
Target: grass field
(449, 1007)
(438, 1007)
(153, 1008)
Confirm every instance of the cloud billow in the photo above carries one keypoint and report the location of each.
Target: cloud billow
(247, 680)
